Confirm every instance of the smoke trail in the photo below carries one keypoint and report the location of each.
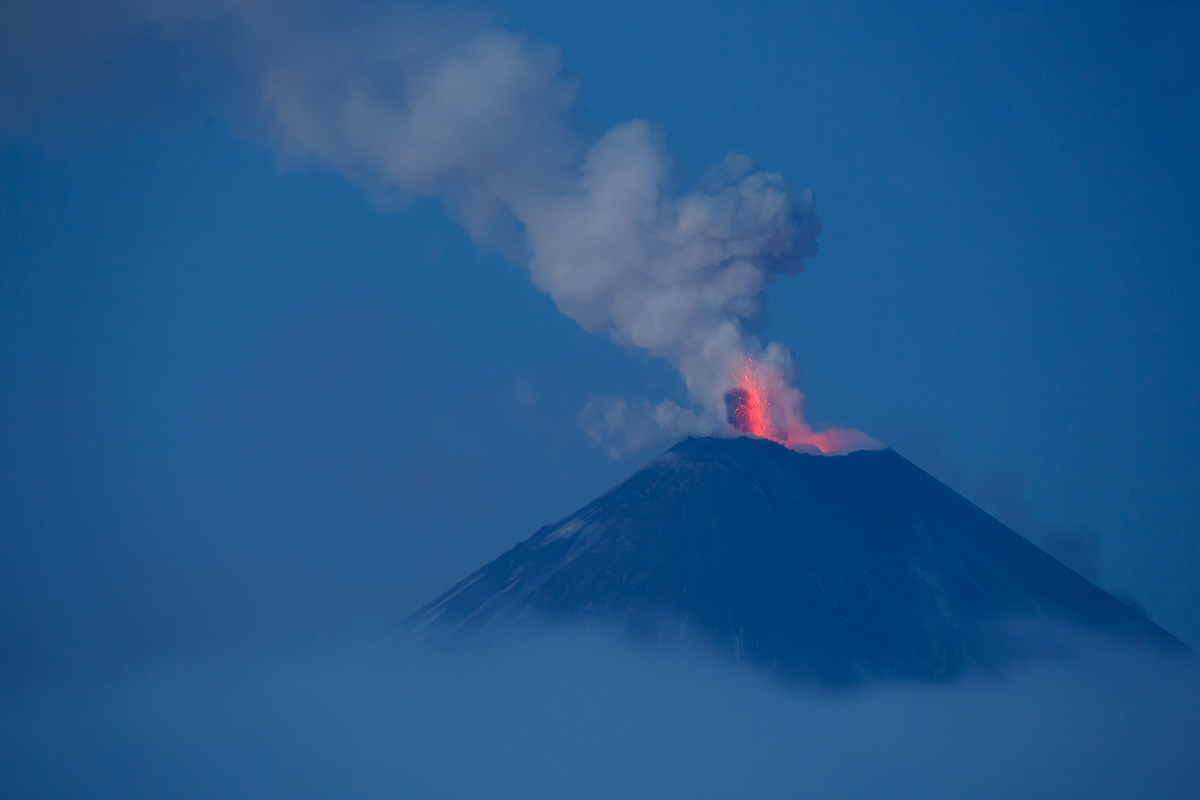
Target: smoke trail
(415, 101)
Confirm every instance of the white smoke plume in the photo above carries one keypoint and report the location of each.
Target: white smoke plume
(413, 101)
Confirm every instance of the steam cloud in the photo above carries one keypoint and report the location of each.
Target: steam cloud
(434, 103)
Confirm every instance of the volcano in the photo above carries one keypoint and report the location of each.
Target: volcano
(834, 569)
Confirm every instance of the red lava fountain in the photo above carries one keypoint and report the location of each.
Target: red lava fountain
(749, 404)
(763, 404)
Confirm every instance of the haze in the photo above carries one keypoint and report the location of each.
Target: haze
(251, 409)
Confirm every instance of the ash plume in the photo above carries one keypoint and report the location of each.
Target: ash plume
(419, 101)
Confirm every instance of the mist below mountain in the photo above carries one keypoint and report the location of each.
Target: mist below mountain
(579, 713)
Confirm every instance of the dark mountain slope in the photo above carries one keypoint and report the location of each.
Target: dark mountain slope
(837, 568)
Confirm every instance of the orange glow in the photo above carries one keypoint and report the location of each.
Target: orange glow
(761, 403)
(752, 399)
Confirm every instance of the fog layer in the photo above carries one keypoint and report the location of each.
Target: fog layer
(574, 715)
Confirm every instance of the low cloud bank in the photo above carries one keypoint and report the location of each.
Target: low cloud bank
(572, 715)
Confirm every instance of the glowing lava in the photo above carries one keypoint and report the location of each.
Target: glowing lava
(749, 404)
(761, 403)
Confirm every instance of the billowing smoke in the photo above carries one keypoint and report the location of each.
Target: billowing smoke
(420, 102)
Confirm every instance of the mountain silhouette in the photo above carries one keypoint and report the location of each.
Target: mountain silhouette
(835, 569)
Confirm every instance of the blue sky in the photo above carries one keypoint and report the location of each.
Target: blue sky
(248, 400)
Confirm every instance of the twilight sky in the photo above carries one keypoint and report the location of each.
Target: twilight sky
(248, 401)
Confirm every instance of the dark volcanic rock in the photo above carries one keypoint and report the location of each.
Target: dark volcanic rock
(834, 568)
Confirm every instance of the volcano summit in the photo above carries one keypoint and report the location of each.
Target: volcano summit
(836, 569)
